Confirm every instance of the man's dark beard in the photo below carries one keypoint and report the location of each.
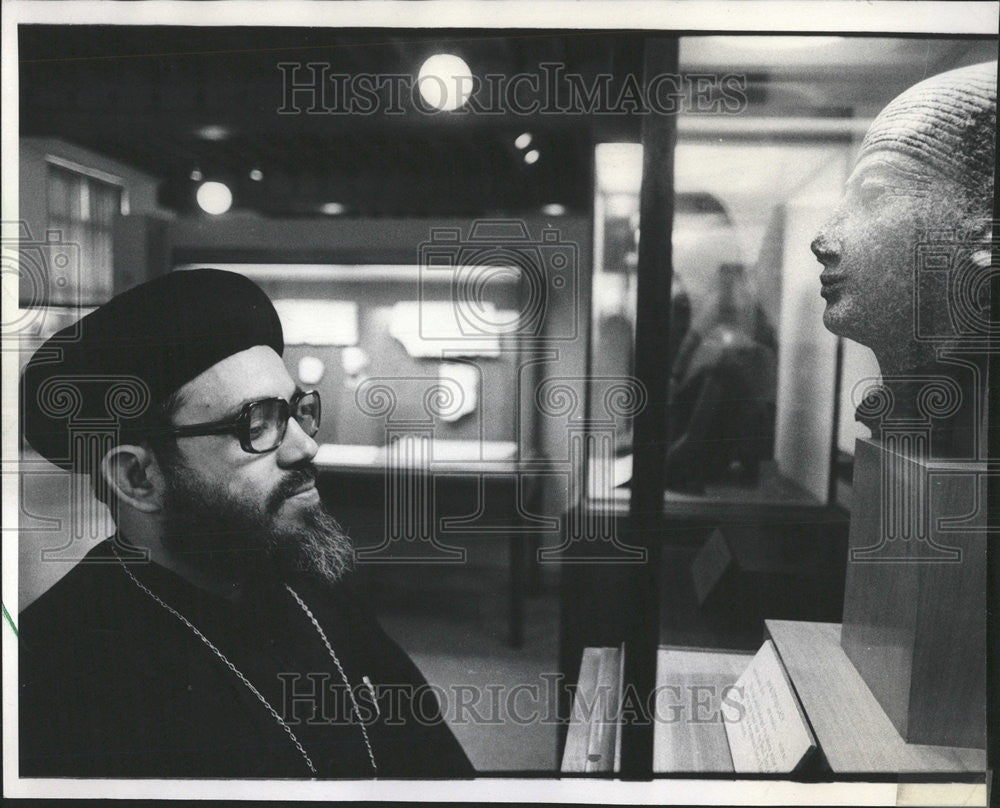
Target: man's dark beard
(239, 539)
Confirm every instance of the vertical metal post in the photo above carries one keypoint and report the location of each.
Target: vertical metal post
(993, 481)
(655, 270)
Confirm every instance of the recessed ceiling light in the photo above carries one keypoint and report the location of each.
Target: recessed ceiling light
(213, 132)
(214, 197)
(445, 81)
(531, 157)
(554, 209)
(256, 174)
(333, 208)
(523, 140)
(196, 175)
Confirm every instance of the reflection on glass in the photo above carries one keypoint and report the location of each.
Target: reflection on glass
(751, 396)
(757, 402)
(722, 386)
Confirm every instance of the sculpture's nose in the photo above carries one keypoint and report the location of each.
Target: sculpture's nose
(826, 247)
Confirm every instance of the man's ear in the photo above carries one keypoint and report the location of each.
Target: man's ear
(134, 476)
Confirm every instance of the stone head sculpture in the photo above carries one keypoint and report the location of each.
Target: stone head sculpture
(924, 173)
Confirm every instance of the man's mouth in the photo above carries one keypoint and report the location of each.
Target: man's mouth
(304, 489)
(299, 483)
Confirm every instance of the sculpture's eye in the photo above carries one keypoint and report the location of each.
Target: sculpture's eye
(870, 190)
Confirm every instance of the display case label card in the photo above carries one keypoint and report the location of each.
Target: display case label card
(771, 733)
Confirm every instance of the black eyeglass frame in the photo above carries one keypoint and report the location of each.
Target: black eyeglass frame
(239, 425)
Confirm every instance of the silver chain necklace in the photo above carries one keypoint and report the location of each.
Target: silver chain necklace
(239, 674)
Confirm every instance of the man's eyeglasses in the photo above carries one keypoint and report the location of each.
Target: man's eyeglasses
(261, 425)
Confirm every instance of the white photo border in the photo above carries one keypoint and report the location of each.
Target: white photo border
(888, 17)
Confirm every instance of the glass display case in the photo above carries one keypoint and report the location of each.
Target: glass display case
(758, 397)
(752, 407)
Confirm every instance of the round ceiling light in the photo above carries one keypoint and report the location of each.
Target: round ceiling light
(214, 197)
(445, 81)
(213, 132)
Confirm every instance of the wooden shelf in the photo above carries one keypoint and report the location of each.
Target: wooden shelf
(689, 733)
(593, 739)
(854, 733)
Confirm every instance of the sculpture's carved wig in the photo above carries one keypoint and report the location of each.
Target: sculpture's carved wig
(949, 124)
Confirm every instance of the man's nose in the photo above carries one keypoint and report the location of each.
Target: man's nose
(297, 445)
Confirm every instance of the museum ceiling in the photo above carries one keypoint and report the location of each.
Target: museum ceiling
(214, 102)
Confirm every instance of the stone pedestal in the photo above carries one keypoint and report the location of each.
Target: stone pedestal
(915, 595)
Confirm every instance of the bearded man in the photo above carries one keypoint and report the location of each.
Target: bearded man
(215, 634)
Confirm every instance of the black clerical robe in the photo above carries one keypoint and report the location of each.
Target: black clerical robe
(114, 685)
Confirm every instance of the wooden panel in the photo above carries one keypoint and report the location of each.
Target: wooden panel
(592, 743)
(689, 735)
(854, 733)
(915, 619)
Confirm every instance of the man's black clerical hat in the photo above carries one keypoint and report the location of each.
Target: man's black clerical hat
(101, 378)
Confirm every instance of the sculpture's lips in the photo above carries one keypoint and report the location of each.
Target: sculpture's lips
(829, 283)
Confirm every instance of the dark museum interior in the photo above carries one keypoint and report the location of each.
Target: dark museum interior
(149, 150)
